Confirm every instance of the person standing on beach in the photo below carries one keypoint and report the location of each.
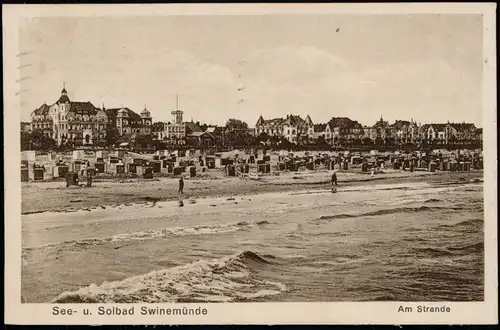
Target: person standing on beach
(334, 179)
(181, 185)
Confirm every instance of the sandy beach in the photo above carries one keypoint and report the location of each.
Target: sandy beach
(54, 196)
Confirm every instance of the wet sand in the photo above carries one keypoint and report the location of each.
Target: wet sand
(54, 196)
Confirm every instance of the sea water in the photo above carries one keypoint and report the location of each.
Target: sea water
(413, 242)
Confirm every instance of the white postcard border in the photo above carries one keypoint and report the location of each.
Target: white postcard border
(246, 313)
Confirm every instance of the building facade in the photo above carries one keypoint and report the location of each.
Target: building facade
(406, 131)
(384, 130)
(128, 122)
(172, 132)
(177, 128)
(81, 123)
(271, 127)
(70, 121)
(293, 128)
(461, 131)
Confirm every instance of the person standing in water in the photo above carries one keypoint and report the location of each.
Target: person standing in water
(181, 185)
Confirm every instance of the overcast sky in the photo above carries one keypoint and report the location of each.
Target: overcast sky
(426, 67)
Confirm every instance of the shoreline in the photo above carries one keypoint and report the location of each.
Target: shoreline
(46, 197)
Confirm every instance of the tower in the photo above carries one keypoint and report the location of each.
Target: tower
(64, 91)
(146, 116)
(177, 113)
(146, 121)
(64, 102)
(122, 121)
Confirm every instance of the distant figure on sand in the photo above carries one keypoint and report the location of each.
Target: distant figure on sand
(334, 179)
(181, 185)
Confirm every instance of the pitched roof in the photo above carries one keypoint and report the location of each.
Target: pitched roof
(192, 127)
(343, 122)
(295, 120)
(83, 108)
(462, 126)
(63, 99)
(113, 112)
(198, 134)
(400, 123)
(309, 120)
(274, 121)
(438, 127)
(212, 129)
(42, 111)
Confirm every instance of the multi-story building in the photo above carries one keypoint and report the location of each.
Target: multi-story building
(384, 130)
(370, 132)
(158, 130)
(321, 130)
(461, 131)
(128, 122)
(82, 123)
(344, 128)
(296, 129)
(66, 120)
(432, 132)
(293, 128)
(479, 134)
(177, 128)
(271, 127)
(174, 132)
(405, 131)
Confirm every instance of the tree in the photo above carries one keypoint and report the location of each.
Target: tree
(112, 135)
(321, 142)
(25, 141)
(303, 139)
(236, 124)
(158, 126)
(236, 132)
(41, 141)
(263, 138)
(389, 141)
(367, 141)
(284, 144)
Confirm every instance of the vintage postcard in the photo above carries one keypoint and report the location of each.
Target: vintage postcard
(250, 164)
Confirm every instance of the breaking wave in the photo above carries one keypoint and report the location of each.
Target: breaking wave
(432, 200)
(207, 229)
(384, 212)
(463, 225)
(229, 279)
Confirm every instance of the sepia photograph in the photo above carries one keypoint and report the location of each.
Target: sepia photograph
(252, 158)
